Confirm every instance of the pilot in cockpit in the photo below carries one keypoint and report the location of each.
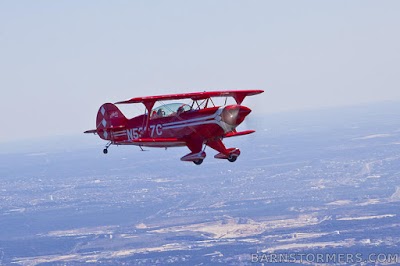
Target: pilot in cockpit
(160, 113)
(180, 110)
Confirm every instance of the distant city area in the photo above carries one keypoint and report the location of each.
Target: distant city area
(307, 188)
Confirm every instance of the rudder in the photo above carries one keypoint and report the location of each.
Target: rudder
(109, 118)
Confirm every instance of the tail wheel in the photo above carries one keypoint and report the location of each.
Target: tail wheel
(105, 151)
(232, 158)
(198, 162)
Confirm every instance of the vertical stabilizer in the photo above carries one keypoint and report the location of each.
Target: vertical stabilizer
(109, 118)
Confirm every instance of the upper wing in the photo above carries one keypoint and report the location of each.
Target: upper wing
(238, 95)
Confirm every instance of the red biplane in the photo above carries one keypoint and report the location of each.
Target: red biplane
(177, 124)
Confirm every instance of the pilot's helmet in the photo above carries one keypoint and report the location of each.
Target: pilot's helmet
(160, 112)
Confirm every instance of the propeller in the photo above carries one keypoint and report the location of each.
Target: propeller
(235, 114)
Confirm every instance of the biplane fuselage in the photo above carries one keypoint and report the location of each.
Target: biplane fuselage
(174, 125)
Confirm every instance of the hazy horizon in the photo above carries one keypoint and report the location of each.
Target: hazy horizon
(319, 116)
(62, 60)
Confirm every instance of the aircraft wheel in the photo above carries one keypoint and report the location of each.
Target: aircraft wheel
(232, 158)
(198, 162)
(105, 151)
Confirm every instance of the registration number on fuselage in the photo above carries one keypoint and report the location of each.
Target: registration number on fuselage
(136, 132)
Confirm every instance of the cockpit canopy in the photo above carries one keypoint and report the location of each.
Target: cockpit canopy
(170, 109)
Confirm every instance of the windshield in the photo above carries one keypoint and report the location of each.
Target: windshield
(169, 110)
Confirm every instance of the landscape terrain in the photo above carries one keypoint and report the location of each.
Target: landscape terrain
(312, 182)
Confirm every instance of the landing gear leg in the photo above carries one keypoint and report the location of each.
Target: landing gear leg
(200, 161)
(105, 151)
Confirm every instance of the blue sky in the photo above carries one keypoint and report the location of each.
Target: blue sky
(60, 60)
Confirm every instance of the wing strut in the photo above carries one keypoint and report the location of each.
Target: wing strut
(149, 105)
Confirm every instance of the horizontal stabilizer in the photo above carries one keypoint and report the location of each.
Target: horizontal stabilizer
(241, 133)
(93, 131)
